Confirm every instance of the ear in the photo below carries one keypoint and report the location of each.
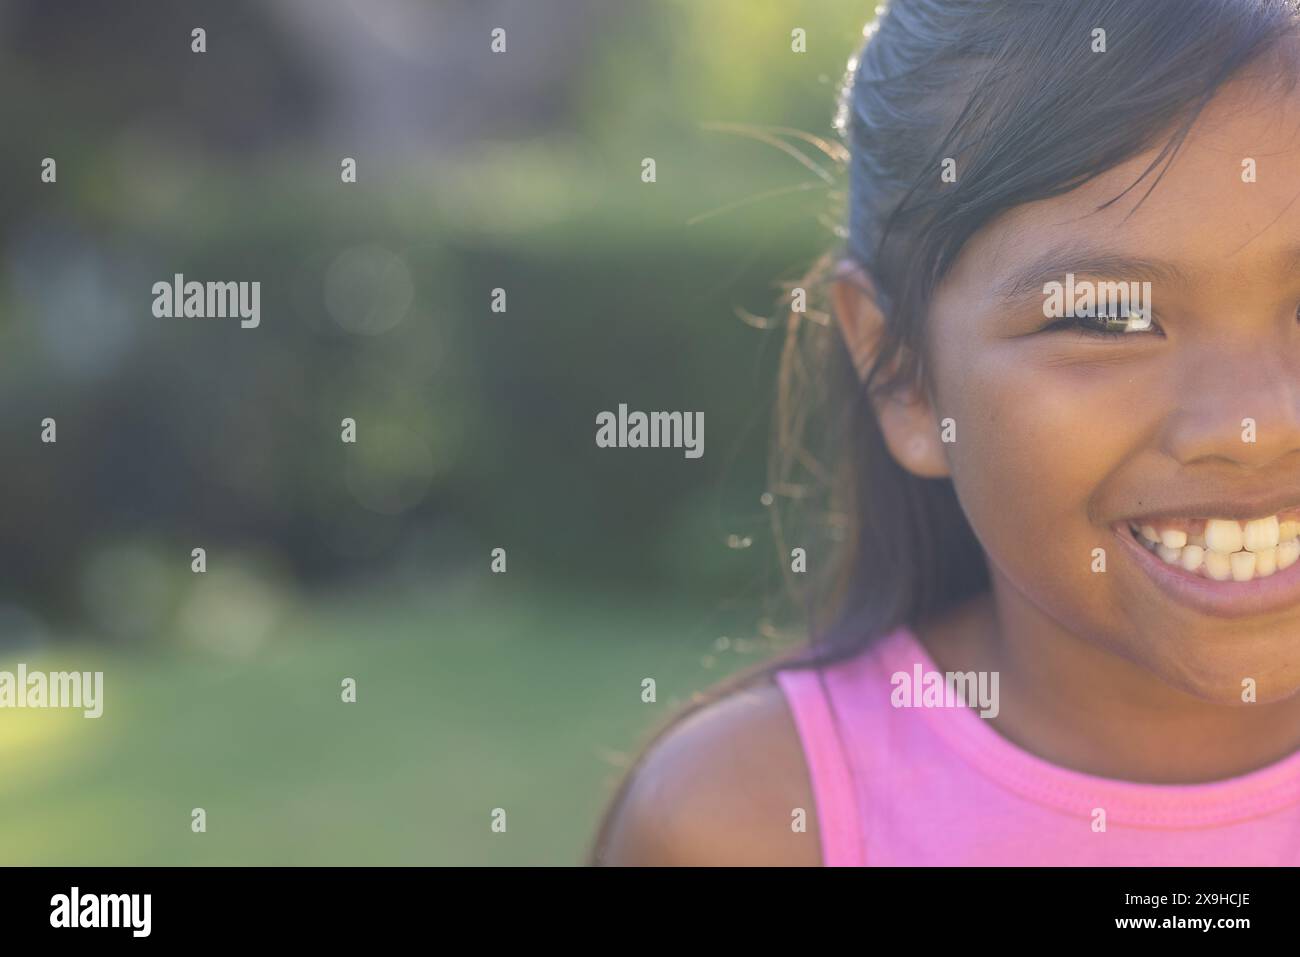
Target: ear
(906, 415)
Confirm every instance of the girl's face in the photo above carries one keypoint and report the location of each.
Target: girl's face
(1190, 428)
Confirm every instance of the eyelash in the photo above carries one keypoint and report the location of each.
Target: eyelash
(1082, 324)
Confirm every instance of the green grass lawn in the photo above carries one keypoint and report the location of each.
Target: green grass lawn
(470, 697)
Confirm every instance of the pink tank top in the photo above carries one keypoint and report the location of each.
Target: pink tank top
(921, 786)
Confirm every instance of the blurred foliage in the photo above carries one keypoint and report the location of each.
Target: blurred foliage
(473, 425)
(476, 430)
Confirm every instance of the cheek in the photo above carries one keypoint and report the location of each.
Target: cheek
(1036, 444)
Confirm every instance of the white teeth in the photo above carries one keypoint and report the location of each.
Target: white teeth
(1173, 539)
(1227, 550)
(1287, 554)
(1217, 566)
(1222, 535)
(1242, 565)
(1261, 533)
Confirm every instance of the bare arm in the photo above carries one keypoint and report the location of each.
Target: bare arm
(722, 787)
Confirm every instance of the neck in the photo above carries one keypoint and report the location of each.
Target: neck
(1078, 704)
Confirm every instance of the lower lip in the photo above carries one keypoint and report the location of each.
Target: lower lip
(1228, 599)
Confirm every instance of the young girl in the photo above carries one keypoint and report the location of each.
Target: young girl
(1065, 625)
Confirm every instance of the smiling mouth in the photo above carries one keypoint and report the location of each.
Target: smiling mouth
(1224, 550)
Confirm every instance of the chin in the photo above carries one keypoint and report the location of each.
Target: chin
(1235, 668)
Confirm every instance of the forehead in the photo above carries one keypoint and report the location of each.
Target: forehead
(1202, 214)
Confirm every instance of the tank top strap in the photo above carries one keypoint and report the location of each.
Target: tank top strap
(836, 710)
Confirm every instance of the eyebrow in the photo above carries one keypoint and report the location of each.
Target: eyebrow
(1087, 261)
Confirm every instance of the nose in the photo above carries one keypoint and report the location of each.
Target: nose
(1239, 405)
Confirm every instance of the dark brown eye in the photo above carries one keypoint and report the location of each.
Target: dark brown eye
(1117, 323)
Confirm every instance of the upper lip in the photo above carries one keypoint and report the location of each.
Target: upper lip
(1240, 508)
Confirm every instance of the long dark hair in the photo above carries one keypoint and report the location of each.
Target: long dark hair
(1020, 96)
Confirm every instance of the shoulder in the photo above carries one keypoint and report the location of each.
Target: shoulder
(721, 787)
